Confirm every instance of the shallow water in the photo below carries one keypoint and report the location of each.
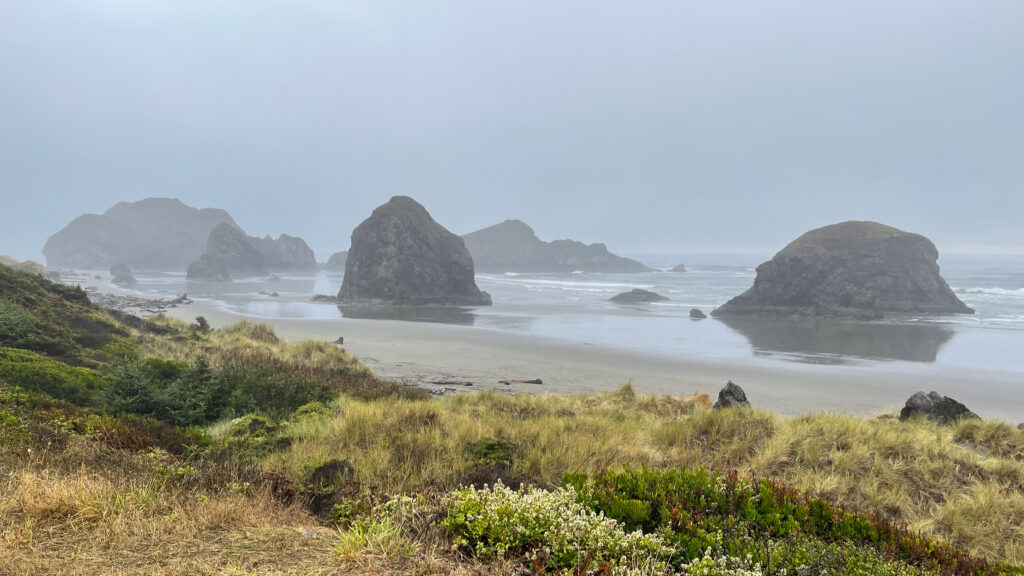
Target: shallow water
(576, 307)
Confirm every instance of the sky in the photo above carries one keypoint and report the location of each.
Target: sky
(663, 126)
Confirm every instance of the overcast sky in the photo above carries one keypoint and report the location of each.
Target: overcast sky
(654, 126)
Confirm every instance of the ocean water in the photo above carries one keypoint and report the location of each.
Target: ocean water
(575, 307)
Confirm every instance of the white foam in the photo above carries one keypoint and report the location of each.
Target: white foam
(992, 291)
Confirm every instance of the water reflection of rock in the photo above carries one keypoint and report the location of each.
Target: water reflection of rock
(436, 314)
(829, 341)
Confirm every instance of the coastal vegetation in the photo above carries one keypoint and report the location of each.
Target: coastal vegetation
(131, 445)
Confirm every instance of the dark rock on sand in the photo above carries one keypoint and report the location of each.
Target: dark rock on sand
(731, 395)
(400, 255)
(637, 296)
(851, 269)
(512, 246)
(159, 233)
(935, 406)
(324, 298)
(336, 263)
(697, 314)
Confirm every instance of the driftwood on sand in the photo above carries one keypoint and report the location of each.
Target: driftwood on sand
(534, 381)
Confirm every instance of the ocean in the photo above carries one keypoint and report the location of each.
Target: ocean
(575, 307)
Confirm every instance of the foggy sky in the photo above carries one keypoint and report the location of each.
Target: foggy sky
(655, 126)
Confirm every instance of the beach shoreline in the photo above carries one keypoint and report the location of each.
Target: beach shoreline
(421, 353)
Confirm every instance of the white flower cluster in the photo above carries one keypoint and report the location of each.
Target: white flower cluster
(713, 565)
(551, 526)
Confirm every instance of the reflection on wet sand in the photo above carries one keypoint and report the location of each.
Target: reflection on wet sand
(438, 314)
(827, 341)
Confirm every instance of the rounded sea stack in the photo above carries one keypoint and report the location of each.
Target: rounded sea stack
(851, 269)
(400, 255)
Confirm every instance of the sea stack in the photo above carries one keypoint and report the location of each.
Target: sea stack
(400, 255)
(851, 269)
(228, 250)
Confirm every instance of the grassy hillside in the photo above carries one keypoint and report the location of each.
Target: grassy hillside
(140, 446)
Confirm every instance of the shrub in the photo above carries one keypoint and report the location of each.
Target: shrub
(551, 528)
(37, 373)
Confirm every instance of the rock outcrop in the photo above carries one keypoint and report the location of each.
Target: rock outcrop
(731, 395)
(851, 269)
(286, 252)
(400, 255)
(935, 406)
(697, 314)
(336, 263)
(121, 274)
(228, 251)
(512, 246)
(637, 296)
(678, 268)
(155, 233)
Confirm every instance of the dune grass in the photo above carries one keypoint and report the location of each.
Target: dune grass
(916, 473)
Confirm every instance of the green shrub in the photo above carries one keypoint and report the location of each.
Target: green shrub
(251, 387)
(37, 373)
(551, 528)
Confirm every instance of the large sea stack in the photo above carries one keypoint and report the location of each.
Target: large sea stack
(228, 251)
(851, 269)
(512, 246)
(400, 255)
(155, 233)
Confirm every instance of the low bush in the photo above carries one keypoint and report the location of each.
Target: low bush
(35, 372)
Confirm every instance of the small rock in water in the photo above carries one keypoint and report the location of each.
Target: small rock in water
(731, 395)
(696, 314)
(935, 406)
(340, 340)
(637, 296)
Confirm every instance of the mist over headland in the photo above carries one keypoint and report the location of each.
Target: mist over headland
(669, 128)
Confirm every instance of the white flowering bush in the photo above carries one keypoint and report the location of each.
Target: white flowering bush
(550, 527)
(721, 565)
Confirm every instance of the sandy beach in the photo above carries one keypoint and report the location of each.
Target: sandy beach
(422, 353)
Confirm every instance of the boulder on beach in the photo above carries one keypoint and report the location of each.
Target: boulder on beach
(731, 395)
(637, 296)
(851, 269)
(512, 246)
(400, 255)
(697, 314)
(935, 406)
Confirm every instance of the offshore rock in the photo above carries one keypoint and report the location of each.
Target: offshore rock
(286, 252)
(400, 255)
(678, 268)
(697, 314)
(731, 395)
(122, 275)
(336, 263)
(851, 269)
(155, 233)
(935, 406)
(512, 246)
(637, 296)
(228, 251)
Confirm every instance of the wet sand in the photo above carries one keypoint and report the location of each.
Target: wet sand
(424, 352)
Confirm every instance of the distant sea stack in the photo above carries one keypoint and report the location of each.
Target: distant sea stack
(400, 255)
(229, 250)
(512, 246)
(336, 263)
(155, 233)
(851, 269)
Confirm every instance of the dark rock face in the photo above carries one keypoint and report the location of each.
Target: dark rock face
(336, 263)
(228, 251)
(287, 252)
(851, 269)
(696, 314)
(400, 255)
(731, 395)
(637, 296)
(512, 246)
(935, 406)
(120, 269)
(678, 268)
(158, 233)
